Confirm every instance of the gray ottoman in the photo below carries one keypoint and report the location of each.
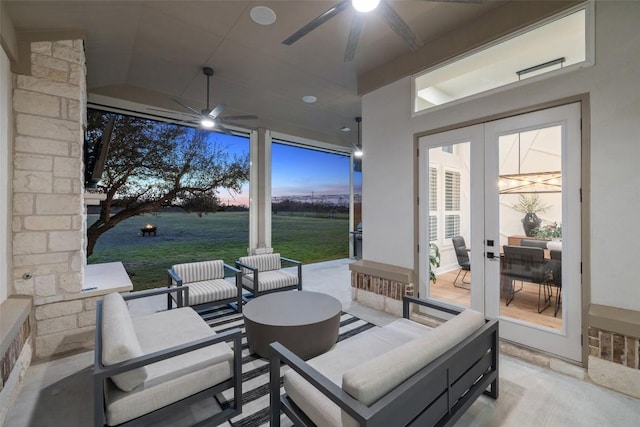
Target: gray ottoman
(306, 323)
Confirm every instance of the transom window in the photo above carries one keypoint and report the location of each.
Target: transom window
(562, 42)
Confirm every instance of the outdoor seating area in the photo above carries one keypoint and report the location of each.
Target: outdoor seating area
(522, 385)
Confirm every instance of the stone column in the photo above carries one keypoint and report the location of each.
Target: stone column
(48, 223)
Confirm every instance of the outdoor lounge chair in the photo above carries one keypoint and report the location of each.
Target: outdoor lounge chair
(262, 274)
(207, 284)
(148, 366)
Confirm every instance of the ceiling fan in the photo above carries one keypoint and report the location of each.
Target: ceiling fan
(210, 117)
(384, 10)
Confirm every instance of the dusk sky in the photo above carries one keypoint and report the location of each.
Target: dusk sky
(295, 171)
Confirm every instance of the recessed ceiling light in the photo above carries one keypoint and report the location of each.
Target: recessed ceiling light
(345, 129)
(309, 99)
(263, 15)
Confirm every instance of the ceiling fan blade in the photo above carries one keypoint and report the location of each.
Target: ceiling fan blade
(177, 113)
(217, 110)
(196, 112)
(222, 129)
(357, 24)
(247, 117)
(316, 22)
(237, 125)
(397, 24)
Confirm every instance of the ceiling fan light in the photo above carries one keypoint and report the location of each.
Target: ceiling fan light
(207, 122)
(365, 5)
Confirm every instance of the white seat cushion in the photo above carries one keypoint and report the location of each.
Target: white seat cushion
(269, 280)
(172, 379)
(344, 356)
(119, 341)
(211, 290)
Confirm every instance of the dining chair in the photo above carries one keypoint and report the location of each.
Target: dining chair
(463, 260)
(534, 243)
(555, 268)
(528, 265)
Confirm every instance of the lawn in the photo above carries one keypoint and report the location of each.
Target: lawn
(183, 237)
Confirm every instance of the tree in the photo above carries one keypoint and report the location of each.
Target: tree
(151, 165)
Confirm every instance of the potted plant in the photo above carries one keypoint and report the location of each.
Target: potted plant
(434, 261)
(551, 232)
(530, 205)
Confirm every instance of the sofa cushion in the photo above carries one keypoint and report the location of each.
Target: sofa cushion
(199, 271)
(373, 379)
(119, 341)
(265, 262)
(269, 280)
(211, 290)
(344, 356)
(172, 379)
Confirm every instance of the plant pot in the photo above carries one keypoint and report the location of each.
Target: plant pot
(529, 223)
(554, 245)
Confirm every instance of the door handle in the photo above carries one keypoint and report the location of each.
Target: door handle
(491, 256)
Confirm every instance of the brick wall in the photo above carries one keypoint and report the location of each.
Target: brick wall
(48, 208)
(381, 286)
(615, 348)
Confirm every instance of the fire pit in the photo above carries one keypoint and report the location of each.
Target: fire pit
(148, 229)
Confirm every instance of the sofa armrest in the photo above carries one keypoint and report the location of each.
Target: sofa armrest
(173, 277)
(353, 407)
(290, 261)
(427, 302)
(296, 264)
(247, 266)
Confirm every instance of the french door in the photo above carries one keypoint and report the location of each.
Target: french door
(476, 185)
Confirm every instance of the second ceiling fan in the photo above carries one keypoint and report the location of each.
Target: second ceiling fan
(381, 7)
(210, 117)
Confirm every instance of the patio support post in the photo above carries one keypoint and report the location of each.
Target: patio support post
(260, 192)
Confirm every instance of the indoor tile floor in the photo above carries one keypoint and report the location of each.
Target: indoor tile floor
(58, 393)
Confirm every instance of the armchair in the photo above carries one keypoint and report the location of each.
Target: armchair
(262, 274)
(207, 284)
(148, 366)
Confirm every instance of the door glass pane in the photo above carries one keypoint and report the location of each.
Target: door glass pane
(449, 223)
(530, 188)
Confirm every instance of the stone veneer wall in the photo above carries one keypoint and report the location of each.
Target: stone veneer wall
(615, 348)
(48, 207)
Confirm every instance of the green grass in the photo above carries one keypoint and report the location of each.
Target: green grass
(186, 237)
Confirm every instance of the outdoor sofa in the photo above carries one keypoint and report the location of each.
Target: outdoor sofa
(148, 366)
(403, 373)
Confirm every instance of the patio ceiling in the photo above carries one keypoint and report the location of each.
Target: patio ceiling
(142, 53)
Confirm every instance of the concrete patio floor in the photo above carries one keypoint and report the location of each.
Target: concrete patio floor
(58, 393)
